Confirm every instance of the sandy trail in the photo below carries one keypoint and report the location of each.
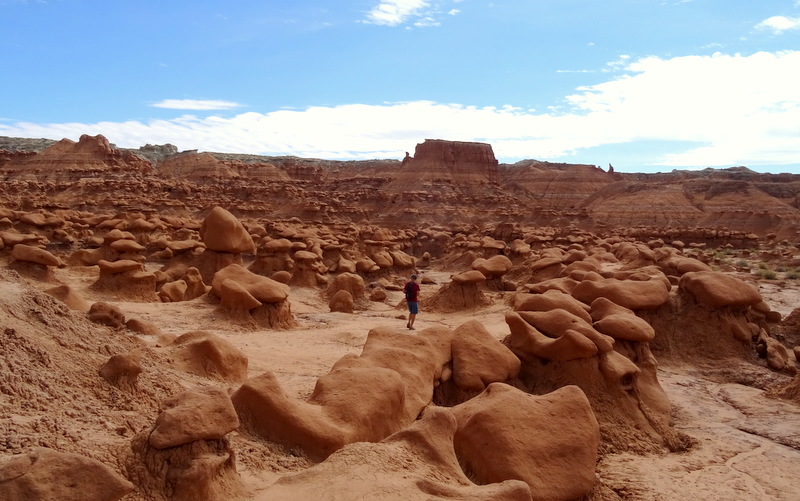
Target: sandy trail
(740, 455)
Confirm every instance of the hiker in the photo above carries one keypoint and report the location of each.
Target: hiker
(411, 290)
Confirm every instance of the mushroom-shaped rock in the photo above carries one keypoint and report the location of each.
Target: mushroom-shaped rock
(282, 276)
(349, 282)
(548, 441)
(235, 297)
(402, 260)
(342, 302)
(557, 322)
(545, 268)
(126, 279)
(31, 254)
(122, 371)
(173, 292)
(106, 314)
(632, 294)
(203, 414)
(494, 267)
(550, 300)
(205, 354)
(262, 288)
(309, 269)
(461, 293)
(221, 231)
(469, 277)
(45, 474)
(716, 289)
(527, 343)
(620, 322)
(367, 265)
(127, 246)
(479, 359)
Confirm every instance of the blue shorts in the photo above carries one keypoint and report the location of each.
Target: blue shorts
(413, 308)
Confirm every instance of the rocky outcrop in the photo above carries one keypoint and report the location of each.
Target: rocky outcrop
(70, 161)
(466, 165)
(450, 183)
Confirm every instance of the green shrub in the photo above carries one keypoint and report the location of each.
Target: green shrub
(742, 263)
(793, 275)
(762, 266)
(768, 274)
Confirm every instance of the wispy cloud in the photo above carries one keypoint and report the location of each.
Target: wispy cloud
(779, 24)
(733, 109)
(395, 12)
(196, 104)
(418, 13)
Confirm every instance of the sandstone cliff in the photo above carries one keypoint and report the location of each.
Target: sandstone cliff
(451, 183)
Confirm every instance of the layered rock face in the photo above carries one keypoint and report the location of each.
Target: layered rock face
(555, 186)
(67, 160)
(194, 165)
(462, 163)
(459, 184)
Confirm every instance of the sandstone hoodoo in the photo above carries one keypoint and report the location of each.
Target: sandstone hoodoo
(198, 325)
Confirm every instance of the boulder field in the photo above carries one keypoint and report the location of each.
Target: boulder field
(155, 347)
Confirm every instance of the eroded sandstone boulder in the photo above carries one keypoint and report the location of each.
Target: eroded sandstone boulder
(548, 441)
(45, 474)
(417, 463)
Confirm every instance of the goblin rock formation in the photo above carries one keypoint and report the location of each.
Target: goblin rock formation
(134, 283)
(458, 182)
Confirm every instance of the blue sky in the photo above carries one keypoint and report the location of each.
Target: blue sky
(645, 85)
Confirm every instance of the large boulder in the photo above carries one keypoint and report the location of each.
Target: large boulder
(362, 398)
(203, 414)
(716, 289)
(417, 463)
(479, 359)
(221, 231)
(632, 294)
(261, 288)
(45, 474)
(548, 441)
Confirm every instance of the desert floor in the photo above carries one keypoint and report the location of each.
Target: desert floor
(748, 445)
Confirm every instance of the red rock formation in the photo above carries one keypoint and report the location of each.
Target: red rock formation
(467, 165)
(71, 161)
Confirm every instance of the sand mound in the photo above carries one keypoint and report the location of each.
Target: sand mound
(51, 392)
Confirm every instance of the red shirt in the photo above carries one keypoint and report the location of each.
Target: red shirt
(411, 290)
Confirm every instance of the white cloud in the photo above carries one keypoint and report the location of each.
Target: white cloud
(779, 24)
(427, 22)
(195, 104)
(453, 12)
(395, 12)
(734, 110)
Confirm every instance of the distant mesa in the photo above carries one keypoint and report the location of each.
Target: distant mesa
(457, 183)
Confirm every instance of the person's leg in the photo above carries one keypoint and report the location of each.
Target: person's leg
(413, 309)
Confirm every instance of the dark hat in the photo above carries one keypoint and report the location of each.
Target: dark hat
(414, 276)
